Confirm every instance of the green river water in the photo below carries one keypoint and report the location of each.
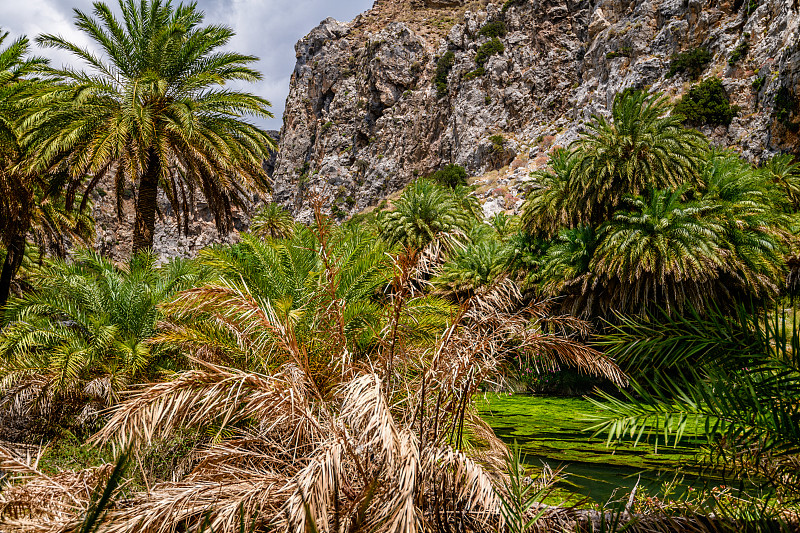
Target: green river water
(554, 431)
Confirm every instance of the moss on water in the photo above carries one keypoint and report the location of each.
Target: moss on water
(558, 429)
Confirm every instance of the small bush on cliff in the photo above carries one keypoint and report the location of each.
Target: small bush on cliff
(692, 62)
(443, 68)
(477, 73)
(509, 4)
(487, 50)
(450, 176)
(494, 29)
(785, 105)
(739, 53)
(498, 143)
(707, 103)
(625, 51)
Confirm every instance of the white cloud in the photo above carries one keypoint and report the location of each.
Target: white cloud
(264, 28)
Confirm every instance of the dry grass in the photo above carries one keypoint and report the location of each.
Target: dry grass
(429, 23)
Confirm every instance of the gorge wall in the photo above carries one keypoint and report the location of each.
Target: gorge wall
(364, 117)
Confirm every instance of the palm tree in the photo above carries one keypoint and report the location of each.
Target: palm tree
(664, 253)
(477, 266)
(54, 229)
(784, 171)
(17, 187)
(272, 221)
(547, 209)
(83, 334)
(504, 225)
(641, 147)
(568, 259)
(153, 110)
(425, 213)
(747, 205)
(317, 294)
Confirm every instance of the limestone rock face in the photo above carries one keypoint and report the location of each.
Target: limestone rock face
(363, 116)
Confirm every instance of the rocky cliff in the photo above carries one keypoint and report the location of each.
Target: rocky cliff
(365, 115)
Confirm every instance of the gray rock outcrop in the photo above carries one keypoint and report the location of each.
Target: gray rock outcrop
(363, 116)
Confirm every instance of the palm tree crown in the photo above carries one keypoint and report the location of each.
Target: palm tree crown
(272, 221)
(424, 213)
(642, 146)
(660, 252)
(152, 108)
(17, 187)
(83, 335)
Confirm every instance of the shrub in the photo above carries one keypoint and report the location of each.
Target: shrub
(487, 50)
(498, 143)
(450, 176)
(625, 51)
(478, 72)
(758, 83)
(740, 52)
(692, 62)
(707, 103)
(494, 29)
(443, 68)
(785, 105)
(509, 4)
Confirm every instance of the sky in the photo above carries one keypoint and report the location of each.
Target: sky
(264, 28)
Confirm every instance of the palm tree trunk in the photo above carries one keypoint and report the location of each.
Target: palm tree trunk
(14, 255)
(146, 204)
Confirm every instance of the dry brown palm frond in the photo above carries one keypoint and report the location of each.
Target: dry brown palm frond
(316, 490)
(497, 318)
(462, 482)
(197, 398)
(45, 497)
(430, 258)
(219, 503)
(255, 323)
(54, 498)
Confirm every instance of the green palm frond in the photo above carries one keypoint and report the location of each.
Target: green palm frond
(424, 213)
(273, 300)
(739, 374)
(272, 221)
(784, 171)
(547, 209)
(477, 266)
(89, 319)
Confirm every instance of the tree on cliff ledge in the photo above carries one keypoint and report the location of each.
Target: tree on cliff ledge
(152, 108)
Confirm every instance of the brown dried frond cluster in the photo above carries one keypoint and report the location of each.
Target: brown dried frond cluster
(42, 502)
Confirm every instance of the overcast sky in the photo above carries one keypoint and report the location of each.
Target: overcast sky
(265, 28)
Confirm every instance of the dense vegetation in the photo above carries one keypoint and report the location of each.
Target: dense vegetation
(691, 62)
(707, 103)
(321, 377)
